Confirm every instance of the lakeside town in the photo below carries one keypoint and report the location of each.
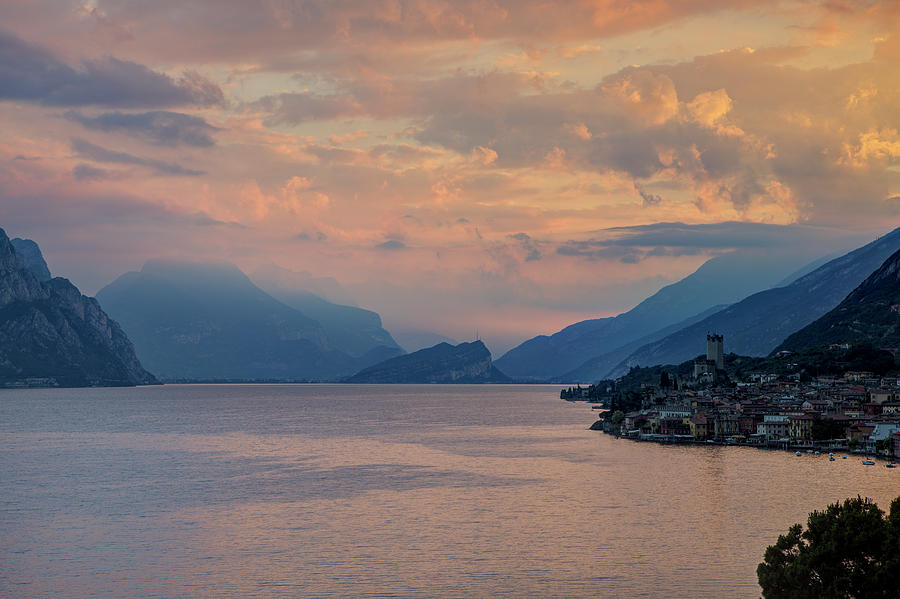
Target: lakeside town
(857, 411)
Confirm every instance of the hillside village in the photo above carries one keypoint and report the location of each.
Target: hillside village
(856, 411)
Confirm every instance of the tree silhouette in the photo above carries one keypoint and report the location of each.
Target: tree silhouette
(849, 550)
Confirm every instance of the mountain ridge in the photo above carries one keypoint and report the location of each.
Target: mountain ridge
(721, 280)
(52, 335)
(209, 321)
(442, 363)
(869, 314)
(758, 323)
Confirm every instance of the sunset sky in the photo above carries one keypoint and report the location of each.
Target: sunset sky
(507, 165)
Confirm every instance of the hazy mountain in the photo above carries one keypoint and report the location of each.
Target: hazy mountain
(350, 329)
(869, 314)
(326, 288)
(721, 280)
(802, 272)
(414, 339)
(443, 363)
(52, 334)
(757, 324)
(596, 369)
(209, 321)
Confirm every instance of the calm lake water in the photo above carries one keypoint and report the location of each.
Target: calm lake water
(381, 491)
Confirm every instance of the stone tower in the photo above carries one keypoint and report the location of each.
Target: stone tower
(715, 350)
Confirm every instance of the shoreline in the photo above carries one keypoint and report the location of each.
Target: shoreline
(806, 449)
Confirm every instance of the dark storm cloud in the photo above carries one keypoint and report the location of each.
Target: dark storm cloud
(597, 251)
(98, 154)
(532, 253)
(727, 235)
(32, 73)
(392, 244)
(649, 199)
(159, 126)
(86, 172)
(295, 108)
(633, 244)
(311, 236)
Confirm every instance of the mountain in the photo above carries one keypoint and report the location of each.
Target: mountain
(721, 280)
(596, 368)
(51, 334)
(32, 258)
(415, 339)
(443, 363)
(326, 288)
(870, 314)
(758, 323)
(210, 322)
(352, 330)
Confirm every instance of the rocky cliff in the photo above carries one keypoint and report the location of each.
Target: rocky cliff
(443, 363)
(51, 334)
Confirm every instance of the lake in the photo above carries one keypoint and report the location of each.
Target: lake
(381, 491)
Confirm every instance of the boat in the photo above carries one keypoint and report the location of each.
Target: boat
(868, 463)
(817, 453)
(831, 458)
(798, 454)
(890, 465)
(843, 457)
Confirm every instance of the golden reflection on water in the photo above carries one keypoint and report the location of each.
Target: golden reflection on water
(455, 510)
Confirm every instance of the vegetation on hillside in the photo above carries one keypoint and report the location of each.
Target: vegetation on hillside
(805, 365)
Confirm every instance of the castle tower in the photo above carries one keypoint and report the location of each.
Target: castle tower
(715, 350)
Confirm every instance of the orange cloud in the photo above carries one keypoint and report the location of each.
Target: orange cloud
(644, 96)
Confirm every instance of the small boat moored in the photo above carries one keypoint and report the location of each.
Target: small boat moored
(890, 465)
(868, 463)
(798, 454)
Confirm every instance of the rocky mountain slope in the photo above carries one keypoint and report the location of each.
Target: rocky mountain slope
(443, 363)
(870, 314)
(51, 334)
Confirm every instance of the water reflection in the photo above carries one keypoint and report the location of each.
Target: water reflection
(311, 491)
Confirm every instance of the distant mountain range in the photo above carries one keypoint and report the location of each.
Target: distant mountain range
(869, 314)
(210, 322)
(443, 363)
(597, 368)
(591, 347)
(51, 334)
(352, 330)
(191, 321)
(759, 323)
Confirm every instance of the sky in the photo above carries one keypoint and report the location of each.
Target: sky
(506, 166)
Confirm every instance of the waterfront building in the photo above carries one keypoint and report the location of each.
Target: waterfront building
(774, 427)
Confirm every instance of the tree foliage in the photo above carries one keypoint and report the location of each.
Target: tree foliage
(849, 550)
